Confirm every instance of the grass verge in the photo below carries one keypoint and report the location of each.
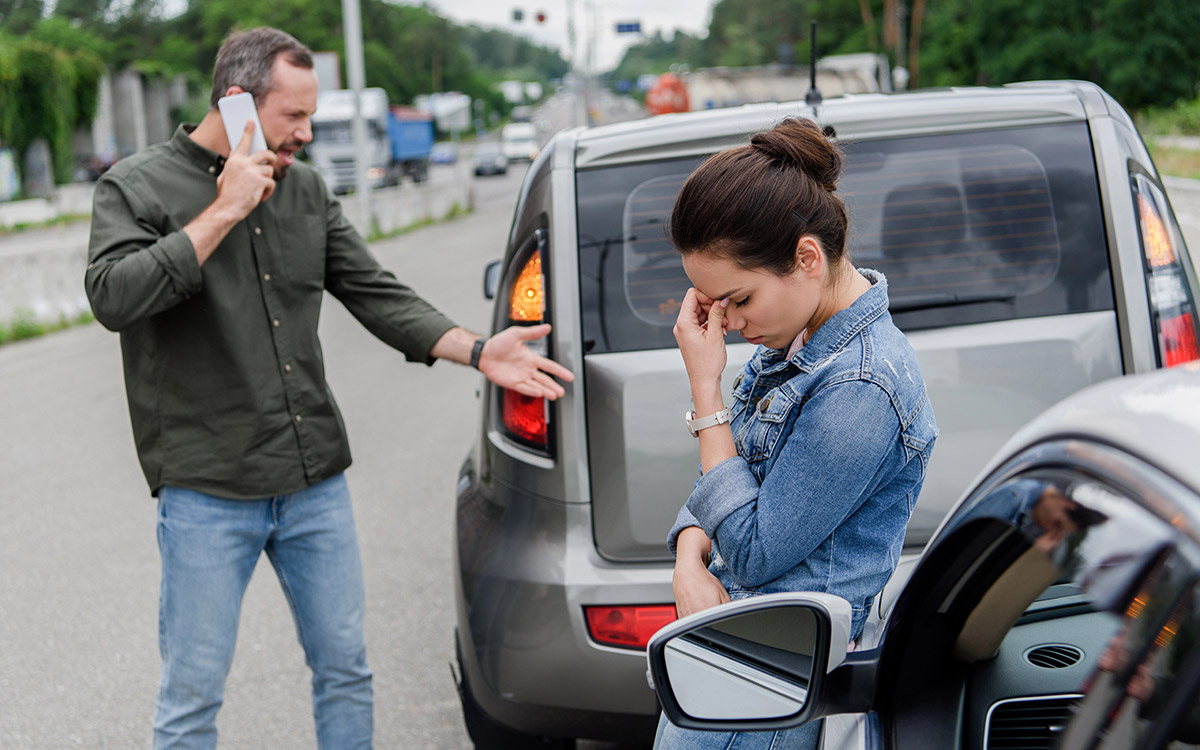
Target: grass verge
(1177, 162)
(56, 221)
(25, 325)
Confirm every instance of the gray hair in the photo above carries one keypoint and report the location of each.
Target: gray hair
(246, 59)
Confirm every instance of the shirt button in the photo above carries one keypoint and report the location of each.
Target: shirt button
(287, 368)
(266, 277)
(298, 418)
(258, 230)
(275, 323)
(212, 170)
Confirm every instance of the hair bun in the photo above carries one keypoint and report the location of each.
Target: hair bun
(801, 144)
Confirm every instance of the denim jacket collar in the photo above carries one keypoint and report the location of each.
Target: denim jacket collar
(836, 332)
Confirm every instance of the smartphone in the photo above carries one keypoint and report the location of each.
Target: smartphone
(235, 111)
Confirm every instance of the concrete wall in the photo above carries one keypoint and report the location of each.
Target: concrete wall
(41, 270)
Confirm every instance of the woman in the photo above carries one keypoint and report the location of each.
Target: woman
(810, 485)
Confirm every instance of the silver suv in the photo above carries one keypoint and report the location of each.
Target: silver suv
(1030, 250)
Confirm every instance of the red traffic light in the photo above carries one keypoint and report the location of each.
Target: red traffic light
(541, 17)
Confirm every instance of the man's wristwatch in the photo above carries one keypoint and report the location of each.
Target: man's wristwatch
(476, 350)
(695, 424)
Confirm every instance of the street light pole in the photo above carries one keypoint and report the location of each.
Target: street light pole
(352, 24)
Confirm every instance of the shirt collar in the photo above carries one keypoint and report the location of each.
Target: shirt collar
(839, 329)
(209, 161)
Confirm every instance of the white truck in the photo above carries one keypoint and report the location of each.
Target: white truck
(519, 141)
(399, 139)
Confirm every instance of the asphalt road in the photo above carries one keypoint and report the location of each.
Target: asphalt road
(79, 565)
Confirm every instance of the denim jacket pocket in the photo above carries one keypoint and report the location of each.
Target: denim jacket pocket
(766, 425)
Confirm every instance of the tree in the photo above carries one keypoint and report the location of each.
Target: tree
(1137, 50)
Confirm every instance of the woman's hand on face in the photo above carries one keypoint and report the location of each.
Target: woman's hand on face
(700, 332)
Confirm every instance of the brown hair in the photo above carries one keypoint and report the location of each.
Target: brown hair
(753, 203)
(247, 58)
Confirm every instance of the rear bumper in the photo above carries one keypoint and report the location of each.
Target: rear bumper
(525, 569)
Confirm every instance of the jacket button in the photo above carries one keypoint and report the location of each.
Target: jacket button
(766, 403)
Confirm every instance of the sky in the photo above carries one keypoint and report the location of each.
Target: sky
(691, 16)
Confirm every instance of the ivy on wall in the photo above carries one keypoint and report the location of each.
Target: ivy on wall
(48, 92)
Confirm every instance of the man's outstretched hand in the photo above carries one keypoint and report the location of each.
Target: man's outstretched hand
(509, 363)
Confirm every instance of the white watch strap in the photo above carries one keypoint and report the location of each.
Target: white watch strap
(695, 424)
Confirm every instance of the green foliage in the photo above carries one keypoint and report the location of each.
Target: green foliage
(51, 64)
(48, 80)
(1140, 51)
(1181, 118)
(25, 326)
(1137, 50)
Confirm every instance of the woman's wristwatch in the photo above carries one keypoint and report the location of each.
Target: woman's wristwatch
(695, 424)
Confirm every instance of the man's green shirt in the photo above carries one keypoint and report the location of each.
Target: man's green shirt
(223, 369)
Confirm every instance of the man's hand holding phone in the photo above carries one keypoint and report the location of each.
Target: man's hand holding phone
(248, 178)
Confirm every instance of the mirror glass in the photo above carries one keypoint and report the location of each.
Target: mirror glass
(491, 279)
(755, 665)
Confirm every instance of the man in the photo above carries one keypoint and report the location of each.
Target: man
(211, 262)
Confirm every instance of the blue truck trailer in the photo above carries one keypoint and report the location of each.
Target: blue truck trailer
(411, 134)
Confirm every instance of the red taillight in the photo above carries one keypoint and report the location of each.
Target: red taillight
(1177, 339)
(525, 417)
(1172, 308)
(627, 627)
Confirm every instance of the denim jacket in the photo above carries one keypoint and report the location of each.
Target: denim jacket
(832, 450)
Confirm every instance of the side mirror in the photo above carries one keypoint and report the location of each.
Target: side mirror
(491, 279)
(761, 663)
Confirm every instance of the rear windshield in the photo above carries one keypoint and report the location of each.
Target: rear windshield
(968, 228)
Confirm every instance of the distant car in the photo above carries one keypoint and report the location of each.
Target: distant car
(445, 152)
(519, 141)
(489, 159)
(1030, 251)
(1057, 607)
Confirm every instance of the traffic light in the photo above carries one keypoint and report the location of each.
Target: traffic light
(541, 17)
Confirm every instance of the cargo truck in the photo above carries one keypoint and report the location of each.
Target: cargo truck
(399, 140)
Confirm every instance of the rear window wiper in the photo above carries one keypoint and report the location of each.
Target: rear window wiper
(931, 301)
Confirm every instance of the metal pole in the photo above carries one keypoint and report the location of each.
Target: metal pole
(352, 21)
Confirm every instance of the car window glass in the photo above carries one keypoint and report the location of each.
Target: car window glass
(968, 227)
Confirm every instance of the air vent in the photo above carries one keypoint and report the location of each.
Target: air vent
(1028, 723)
(1056, 656)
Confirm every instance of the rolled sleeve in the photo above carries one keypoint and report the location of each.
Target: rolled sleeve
(726, 487)
(134, 271)
(825, 471)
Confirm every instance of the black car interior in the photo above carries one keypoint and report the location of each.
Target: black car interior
(987, 662)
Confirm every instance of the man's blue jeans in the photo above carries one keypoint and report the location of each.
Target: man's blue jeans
(209, 547)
